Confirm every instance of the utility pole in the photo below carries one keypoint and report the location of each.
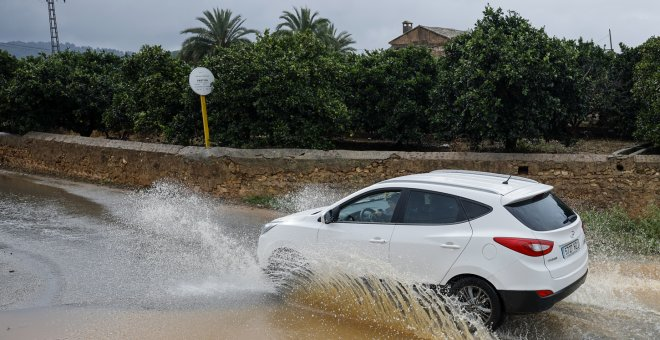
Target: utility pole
(611, 49)
(54, 39)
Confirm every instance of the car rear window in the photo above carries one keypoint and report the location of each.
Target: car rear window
(542, 212)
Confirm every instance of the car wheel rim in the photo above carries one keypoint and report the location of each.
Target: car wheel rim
(475, 300)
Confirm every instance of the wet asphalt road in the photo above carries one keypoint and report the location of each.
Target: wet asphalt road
(82, 261)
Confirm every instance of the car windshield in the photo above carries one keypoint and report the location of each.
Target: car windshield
(543, 212)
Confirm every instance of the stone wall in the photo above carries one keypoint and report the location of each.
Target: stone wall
(599, 180)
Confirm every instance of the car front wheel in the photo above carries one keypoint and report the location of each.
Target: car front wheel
(287, 267)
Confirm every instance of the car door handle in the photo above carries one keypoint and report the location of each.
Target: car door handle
(378, 240)
(450, 246)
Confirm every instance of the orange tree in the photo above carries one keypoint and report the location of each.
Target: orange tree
(647, 90)
(284, 90)
(67, 90)
(505, 80)
(390, 93)
(148, 92)
(8, 66)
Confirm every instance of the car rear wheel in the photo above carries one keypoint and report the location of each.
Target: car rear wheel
(478, 297)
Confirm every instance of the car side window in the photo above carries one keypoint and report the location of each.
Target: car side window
(432, 208)
(373, 208)
(475, 210)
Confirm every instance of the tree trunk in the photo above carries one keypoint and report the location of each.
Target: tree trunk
(510, 144)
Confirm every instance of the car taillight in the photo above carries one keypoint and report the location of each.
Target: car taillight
(527, 246)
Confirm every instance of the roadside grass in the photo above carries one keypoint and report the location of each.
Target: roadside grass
(540, 145)
(543, 146)
(597, 146)
(613, 232)
(261, 201)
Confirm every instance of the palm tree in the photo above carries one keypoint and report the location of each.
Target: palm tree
(305, 20)
(302, 20)
(338, 42)
(220, 30)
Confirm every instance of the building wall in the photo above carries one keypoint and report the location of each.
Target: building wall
(597, 180)
(419, 36)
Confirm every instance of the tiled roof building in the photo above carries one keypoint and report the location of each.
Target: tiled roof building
(433, 37)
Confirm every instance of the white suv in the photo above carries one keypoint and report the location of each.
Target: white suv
(501, 244)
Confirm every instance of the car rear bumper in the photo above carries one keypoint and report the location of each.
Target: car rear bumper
(516, 302)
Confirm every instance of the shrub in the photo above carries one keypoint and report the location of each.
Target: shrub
(281, 91)
(647, 90)
(148, 92)
(67, 90)
(506, 80)
(390, 93)
(619, 109)
(8, 66)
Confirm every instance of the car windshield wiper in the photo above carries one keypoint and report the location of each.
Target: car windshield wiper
(570, 218)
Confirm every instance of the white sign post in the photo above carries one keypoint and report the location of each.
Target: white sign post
(201, 81)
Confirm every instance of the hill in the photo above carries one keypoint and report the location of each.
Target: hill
(22, 49)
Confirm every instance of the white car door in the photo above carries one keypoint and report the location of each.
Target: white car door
(432, 234)
(362, 227)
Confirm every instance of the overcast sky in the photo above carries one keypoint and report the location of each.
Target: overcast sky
(128, 24)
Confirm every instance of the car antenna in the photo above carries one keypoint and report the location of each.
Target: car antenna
(507, 180)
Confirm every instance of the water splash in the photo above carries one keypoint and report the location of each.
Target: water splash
(309, 197)
(625, 285)
(372, 293)
(204, 256)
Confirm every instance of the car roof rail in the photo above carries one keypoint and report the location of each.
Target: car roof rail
(483, 173)
(419, 181)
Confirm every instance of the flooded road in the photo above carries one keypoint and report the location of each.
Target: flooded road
(81, 261)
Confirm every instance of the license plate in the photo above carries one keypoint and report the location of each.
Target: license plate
(570, 248)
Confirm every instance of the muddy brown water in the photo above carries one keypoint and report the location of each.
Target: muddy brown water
(80, 261)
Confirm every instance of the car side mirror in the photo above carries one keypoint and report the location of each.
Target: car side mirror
(328, 217)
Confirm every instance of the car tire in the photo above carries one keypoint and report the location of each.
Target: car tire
(286, 268)
(479, 297)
